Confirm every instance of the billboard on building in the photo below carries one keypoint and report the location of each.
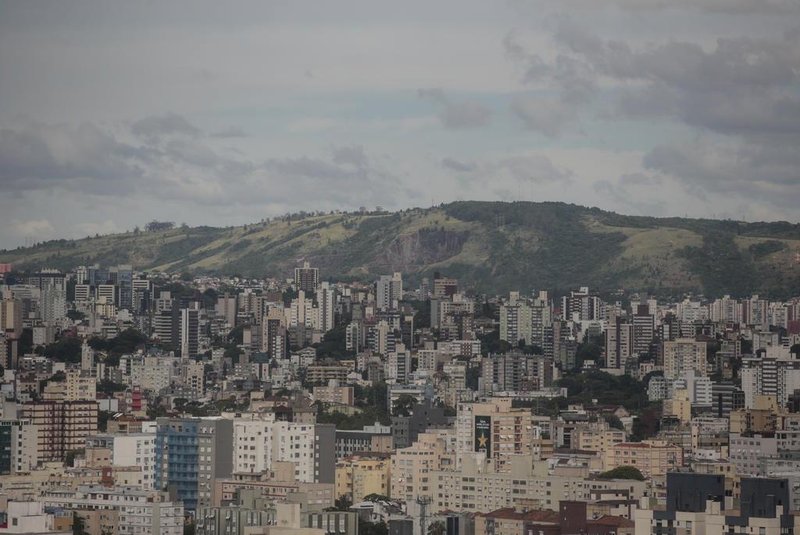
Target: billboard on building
(483, 433)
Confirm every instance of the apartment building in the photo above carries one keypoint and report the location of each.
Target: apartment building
(480, 487)
(138, 512)
(359, 476)
(63, 426)
(411, 467)
(334, 394)
(372, 438)
(696, 503)
(597, 438)
(652, 457)
(682, 355)
(496, 429)
(259, 441)
(190, 453)
(130, 450)
(18, 446)
(279, 484)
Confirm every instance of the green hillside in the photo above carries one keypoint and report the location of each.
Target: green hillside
(490, 246)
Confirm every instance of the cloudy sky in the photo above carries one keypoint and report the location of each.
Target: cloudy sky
(205, 112)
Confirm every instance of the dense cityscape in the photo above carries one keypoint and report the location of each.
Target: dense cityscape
(155, 403)
(357, 267)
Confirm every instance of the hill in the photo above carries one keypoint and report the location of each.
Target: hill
(490, 246)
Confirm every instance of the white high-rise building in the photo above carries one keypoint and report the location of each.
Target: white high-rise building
(133, 449)
(516, 320)
(252, 443)
(682, 355)
(698, 387)
(774, 375)
(389, 290)
(398, 364)
(301, 311)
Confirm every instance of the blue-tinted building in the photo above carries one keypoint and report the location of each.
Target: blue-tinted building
(190, 454)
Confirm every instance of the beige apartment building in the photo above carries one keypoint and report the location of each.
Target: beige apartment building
(334, 394)
(496, 429)
(411, 467)
(652, 457)
(480, 487)
(359, 476)
(278, 484)
(597, 438)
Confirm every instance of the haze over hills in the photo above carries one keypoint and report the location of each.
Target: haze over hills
(490, 246)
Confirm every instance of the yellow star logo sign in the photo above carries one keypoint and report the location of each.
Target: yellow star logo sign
(482, 439)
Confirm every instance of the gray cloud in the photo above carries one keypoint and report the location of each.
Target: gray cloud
(527, 168)
(155, 128)
(629, 201)
(547, 115)
(571, 84)
(353, 155)
(639, 179)
(458, 166)
(173, 162)
(742, 86)
(757, 172)
(230, 132)
(740, 95)
(457, 114)
(37, 156)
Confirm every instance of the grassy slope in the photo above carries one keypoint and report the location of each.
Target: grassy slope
(490, 246)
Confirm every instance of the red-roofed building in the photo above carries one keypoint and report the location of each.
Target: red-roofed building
(569, 520)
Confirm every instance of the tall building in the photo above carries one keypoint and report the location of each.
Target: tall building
(326, 302)
(444, 287)
(516, 321)
(18, 446)
(398, 364)
(163, 327)
(684, 354)
(769, 377)
(129, 450)
(619, 343)
(355, 336)
(189, 333)
(301, 311)
(643, 326)
(63, 426)
(581, 306)
(142, 296)
(306, 278)
(504, 372)
(389, 291)
(226, 308)
(274, 341)
(190, 454)
(122, 276)
(496, 430)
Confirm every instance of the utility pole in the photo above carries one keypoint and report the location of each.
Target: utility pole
(423, 502)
